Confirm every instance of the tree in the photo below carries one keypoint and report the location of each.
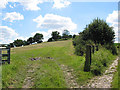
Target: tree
(18, 42)
(70, 36)
(74, 36)
(11, 45)
(30, 40)
(50, 40)
(65, 34)
(25, 43)
(38, 37)
(55, 35)
(99, 32)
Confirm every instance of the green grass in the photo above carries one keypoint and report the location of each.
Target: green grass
(47, 73)
(115, 80)
(101, 60)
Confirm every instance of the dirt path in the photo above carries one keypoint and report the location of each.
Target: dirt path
(105, 80)
(28, 81)
(70, 79)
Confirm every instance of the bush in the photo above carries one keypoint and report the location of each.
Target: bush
(100, 60)
(97, 68)
(80, 50)
(112, 48)
(39, 41)
(80, 45)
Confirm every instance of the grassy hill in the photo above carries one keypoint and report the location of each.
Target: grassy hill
(39, 65)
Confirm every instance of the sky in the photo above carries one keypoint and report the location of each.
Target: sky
(21, 19)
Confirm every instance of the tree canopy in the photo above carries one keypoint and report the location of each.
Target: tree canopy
(55, 35)
(99, 32)
(38, 37)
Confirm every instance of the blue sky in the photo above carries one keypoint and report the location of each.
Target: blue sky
(75, 15)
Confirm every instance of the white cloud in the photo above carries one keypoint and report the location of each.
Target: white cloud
(113, 20)
(51, 21)
(28, 4)
(54, 23)
(13, 16)
(7, 34)
(33, 4)
(3, 3)
(61, 3)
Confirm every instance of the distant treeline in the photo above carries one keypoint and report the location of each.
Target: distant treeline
(38, 37)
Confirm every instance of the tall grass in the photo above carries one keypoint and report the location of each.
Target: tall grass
(101, 60)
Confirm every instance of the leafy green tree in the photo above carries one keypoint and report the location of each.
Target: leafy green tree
(70, 36)
(99, 32)
(11, 45)
(30, 40)
(50, 40)
(38, 37)
(18, 42)
(65, 34)
(25, 43)
(74, 36)
(55, 35)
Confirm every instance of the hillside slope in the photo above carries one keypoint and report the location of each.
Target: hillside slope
(46, 65)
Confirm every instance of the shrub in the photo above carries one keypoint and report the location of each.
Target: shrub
(112, 48)
(100, 60)
(80, 50)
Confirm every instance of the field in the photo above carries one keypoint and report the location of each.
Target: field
(41, 65)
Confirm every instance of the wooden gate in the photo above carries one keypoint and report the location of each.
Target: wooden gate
(4, 55)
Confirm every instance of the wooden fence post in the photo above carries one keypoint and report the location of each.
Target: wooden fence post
(8, 52)
(88, 58)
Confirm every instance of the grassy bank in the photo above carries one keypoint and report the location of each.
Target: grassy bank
(116, 78)
(46, 72)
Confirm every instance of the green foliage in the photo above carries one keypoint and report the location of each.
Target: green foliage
(30, 40)
(115, 80)
(100, 60)
(74, 36)
(100, 32)
(50, 40)
(65, 34)
(25, 43)
(38, 37)
(112, 48)
(11, 45)
(97, 32)
(18, 42)
(55, 35)
(80, 45)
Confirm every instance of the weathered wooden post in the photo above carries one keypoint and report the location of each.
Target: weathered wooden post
(97, 48)
(88, 58)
